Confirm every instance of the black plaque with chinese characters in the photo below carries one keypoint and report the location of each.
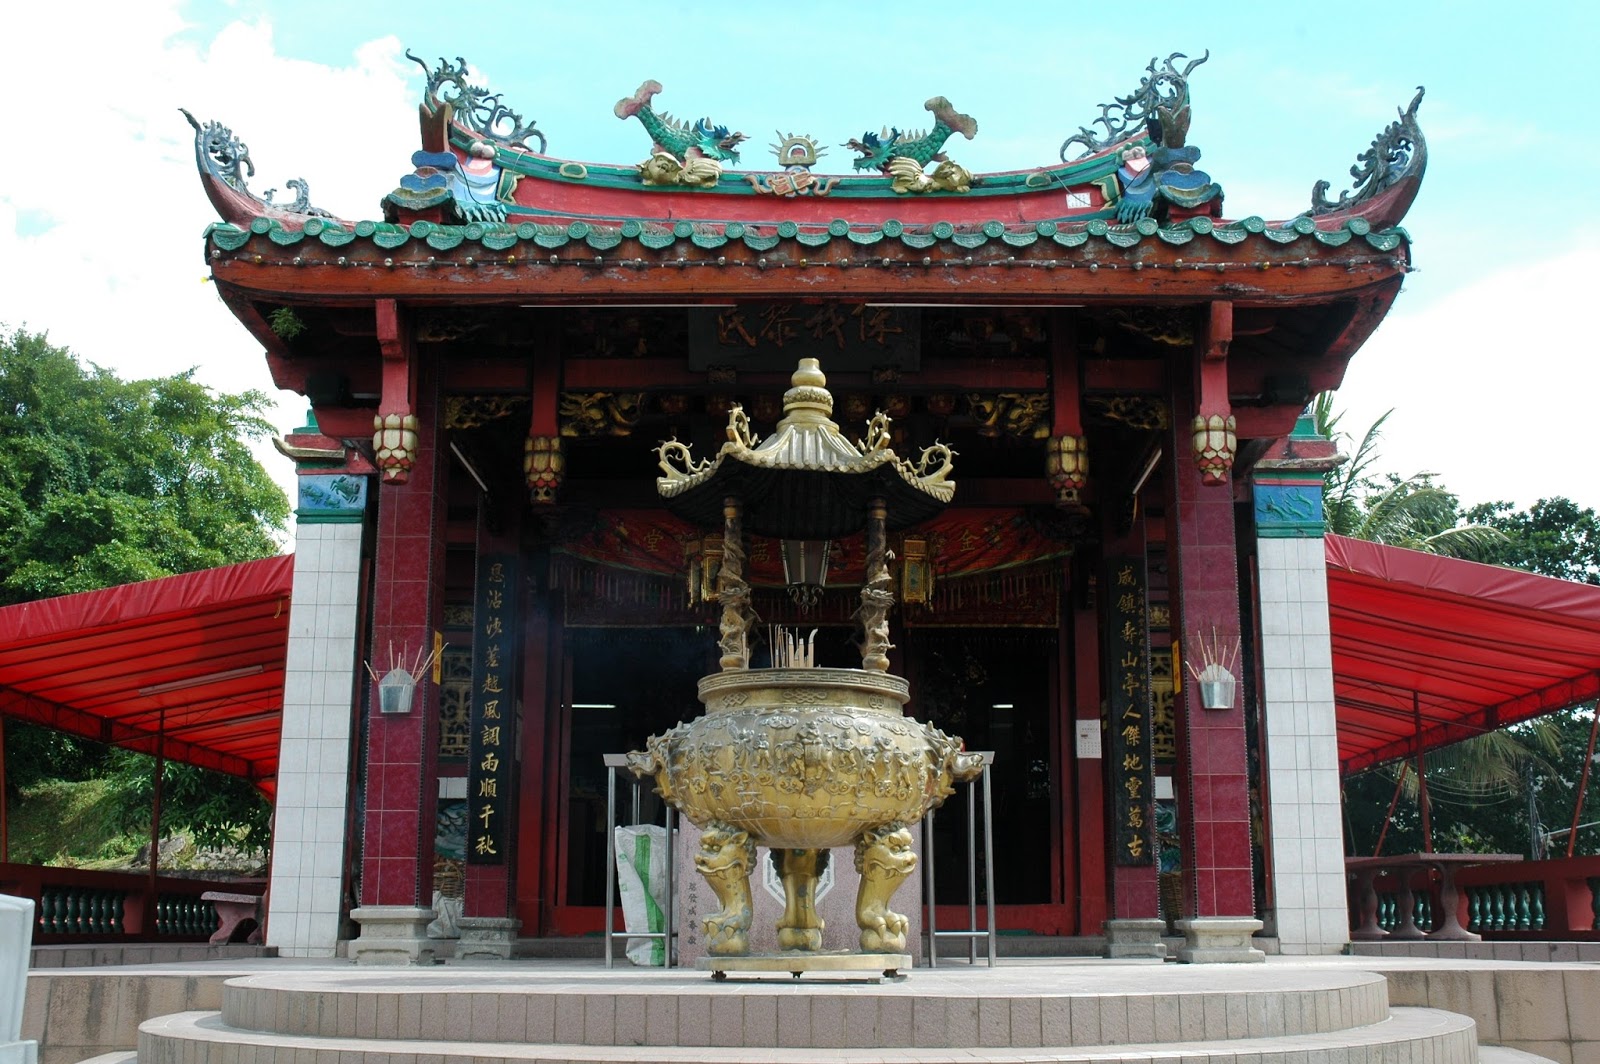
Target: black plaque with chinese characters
(492, 742)
(774, 336)
(1129, 755)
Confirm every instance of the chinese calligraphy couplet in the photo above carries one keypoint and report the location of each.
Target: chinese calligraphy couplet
(490, 746)
(1128, 659)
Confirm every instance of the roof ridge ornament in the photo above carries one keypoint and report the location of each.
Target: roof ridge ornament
(682, 140)
(1127, 116)
(1381, 166)
(221, 154)
(476, 108)
(879, 150)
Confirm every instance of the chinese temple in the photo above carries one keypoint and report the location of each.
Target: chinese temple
(1125, 598)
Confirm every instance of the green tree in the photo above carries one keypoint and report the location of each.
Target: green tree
(1554, 537)
(1411, 512)
(106, 481)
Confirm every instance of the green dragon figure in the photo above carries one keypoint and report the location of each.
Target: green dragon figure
(877, 149)
(682, 140)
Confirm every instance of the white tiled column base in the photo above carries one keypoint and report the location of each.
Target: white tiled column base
(1302, 755)
(16, 929)
(314, 754)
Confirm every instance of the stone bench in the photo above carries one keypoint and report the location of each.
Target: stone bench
(233, 909)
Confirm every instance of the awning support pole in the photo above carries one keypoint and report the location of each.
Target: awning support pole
(5, 840)
(1572, 832)
(1422, 778)
(1383, 832)
(155, 819)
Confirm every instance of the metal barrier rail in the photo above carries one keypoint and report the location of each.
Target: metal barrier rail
(667, 934)
(972, 932)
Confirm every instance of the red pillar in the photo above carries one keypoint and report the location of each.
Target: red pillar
(1089, 804)
(401, 790)
(531, 900)
(1213, 785)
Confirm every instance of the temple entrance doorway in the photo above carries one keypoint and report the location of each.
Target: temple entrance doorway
(622, 685)
(995, 688)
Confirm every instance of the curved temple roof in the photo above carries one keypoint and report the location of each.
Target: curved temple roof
(479, 179)
(486, 215)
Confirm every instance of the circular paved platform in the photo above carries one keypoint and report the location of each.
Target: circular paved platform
(1003, 1007)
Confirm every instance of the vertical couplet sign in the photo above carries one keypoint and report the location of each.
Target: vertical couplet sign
(492, 745)
(1129, 760)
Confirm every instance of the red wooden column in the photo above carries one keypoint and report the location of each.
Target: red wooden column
(1088, 805)
(401, 789)
(1067, 468)
(1213, 788)
(544, 469)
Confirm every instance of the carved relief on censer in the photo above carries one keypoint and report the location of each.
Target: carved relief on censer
(793, 757)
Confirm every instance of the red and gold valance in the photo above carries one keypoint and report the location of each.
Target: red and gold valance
(991, 567)
(961, 543)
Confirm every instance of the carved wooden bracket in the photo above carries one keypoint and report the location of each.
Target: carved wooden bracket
(543, 464)
(1067, 449)
(1215, 443)
(394, 429)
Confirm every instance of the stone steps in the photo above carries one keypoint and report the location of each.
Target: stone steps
(1508, 1055)
(128, 1056)
(1408, 1036)
(1008, 1006)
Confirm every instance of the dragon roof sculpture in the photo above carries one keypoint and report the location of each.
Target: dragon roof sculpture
(483, 163)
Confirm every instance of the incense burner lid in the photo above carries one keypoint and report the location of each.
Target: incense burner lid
(807, 480)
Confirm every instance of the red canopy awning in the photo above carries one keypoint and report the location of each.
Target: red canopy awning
(197, 658)
(1477, 646)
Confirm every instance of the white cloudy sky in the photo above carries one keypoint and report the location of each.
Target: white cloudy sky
(1488, 357)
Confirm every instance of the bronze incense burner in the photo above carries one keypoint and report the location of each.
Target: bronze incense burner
(798, 758)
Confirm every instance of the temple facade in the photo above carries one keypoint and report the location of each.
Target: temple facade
(1124, 600)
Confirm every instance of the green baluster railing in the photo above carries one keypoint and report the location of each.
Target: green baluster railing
(185, 915)
(1538, 907)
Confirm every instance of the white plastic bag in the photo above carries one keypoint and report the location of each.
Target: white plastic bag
(641, 880)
